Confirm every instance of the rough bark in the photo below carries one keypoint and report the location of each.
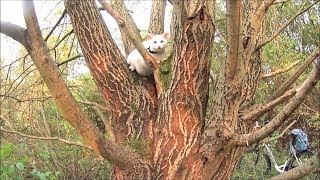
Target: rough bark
(182, 108)
(71, 111)
(234, 92)
(156, 25)
(131, 102)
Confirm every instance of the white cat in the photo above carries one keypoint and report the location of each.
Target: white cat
(155, 45)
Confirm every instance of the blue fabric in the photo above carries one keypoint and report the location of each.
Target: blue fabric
(300, 142)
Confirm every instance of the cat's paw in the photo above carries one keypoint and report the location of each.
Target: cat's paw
(131, 68)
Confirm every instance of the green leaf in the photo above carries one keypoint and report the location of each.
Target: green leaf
(5, 151)
(11, 170)
(20, 166)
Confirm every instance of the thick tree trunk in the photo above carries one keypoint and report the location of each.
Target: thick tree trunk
(182, 107)
(167, 131)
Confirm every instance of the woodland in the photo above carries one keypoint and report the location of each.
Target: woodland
(230, 64)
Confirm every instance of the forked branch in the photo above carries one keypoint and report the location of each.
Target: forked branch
(305, 88)
(132, 35)
(70, 109)
(301, 11)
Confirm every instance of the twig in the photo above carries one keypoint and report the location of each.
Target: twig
(56, 25)
(282, 133)
(286, 25)
(70, 59)
(279, 71)
(45, 138)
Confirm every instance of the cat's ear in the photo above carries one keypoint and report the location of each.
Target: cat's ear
(149, 36)
(165, 35)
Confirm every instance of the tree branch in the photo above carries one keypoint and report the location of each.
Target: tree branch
(233, 27)
(132, 35)
(15, 32)
(301, 11)
(70, 109)
(305, 88)
(124, 13)
(70, 59)
(280, 135)
(156, 25)
(45, 138)
(257, 111)
(279, 71)
(310, 166)
(56, 25)
(285, 86)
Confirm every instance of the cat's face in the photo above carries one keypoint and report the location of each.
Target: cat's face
(158, 43)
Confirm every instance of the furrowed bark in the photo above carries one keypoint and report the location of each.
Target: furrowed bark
(306, 87)
(232, 97)
(131, 102)
(65, 101)
(124, 13)
(156, 25)
(182, 108)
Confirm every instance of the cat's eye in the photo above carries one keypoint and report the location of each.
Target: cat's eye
(155, 42)
(161, 41)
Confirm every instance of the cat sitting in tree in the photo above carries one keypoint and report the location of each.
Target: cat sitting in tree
(155, 44)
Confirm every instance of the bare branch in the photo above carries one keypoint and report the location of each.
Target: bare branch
(305, 88)
(133, 36)
(301, 11)
(124, 13)
(279, 71)
(285, 86)
(264, 6)
(41, 99)
(233, 26)
(62, 39)
(15, 32)
(310, 166)
(56, 25)
(257, 111)
(45, 138)
(70, 59)
(282, 133)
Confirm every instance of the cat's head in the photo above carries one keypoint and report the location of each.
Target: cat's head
(157, 43)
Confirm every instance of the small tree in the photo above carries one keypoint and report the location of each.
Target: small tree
(163, 121)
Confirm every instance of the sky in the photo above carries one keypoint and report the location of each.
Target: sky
(11, 11)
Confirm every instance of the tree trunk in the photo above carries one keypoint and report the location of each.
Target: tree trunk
(165, 132)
